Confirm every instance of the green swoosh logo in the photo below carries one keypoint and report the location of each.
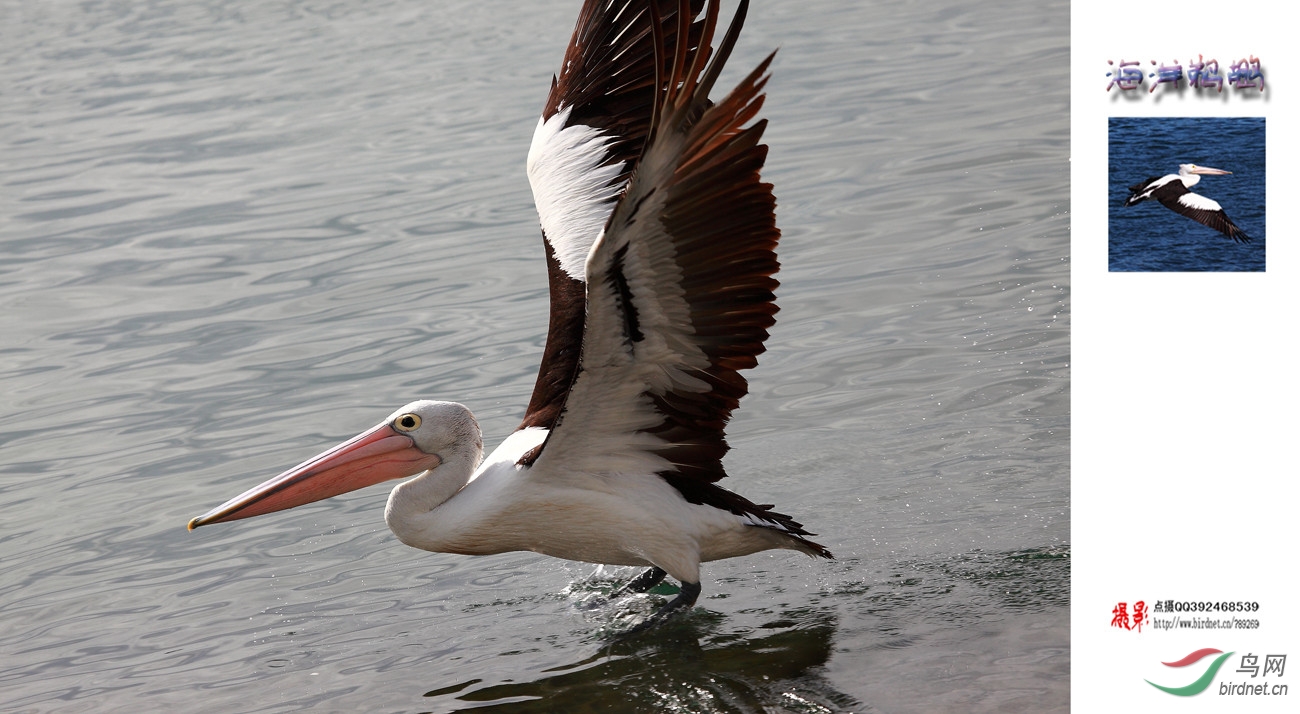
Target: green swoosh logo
(1199, 685)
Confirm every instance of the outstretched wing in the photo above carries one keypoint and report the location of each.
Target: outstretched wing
(679, 294)
(589, 137)
(1203, 210)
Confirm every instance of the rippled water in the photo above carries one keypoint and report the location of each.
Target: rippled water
(235, 233)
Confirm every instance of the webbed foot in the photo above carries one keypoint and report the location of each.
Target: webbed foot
(685, 599)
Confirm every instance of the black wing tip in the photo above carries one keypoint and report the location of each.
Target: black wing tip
(797, 534)
(702, 492)
(1224, 225)
(821, 551)
(1232, 231)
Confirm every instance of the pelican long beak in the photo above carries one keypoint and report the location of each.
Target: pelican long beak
(378, 455)
(1207, 171)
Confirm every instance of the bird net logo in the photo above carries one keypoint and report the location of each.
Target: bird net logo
(1263, 678)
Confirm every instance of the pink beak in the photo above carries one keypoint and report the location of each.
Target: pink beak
(380, 454)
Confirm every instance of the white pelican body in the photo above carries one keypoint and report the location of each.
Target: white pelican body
(502, 507)
(660, 244)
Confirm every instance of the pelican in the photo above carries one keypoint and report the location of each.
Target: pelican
(1172, 191)
(660, 245)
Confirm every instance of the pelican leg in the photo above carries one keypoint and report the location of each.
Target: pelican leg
(644, 581)
(639, 584)
(685, 599)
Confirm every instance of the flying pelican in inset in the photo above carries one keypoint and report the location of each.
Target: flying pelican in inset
(1173, 192)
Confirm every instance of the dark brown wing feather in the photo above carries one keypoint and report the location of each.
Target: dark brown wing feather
(608, 72)
(680, 294)
(607, 79)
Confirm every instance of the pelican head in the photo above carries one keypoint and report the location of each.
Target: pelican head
(416, 438)
(1189, 169)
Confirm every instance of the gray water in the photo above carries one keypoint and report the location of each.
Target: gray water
(232, 234)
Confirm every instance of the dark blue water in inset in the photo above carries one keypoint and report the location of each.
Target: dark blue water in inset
(1150, 237)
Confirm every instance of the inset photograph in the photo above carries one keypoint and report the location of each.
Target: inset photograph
(1186, 194)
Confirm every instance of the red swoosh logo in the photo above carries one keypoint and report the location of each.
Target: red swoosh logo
(1192, 658)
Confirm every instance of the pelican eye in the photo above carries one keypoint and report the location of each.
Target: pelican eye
(407, 422)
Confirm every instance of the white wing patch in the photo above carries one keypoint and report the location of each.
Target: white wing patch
(512, 449)
(572, 188)
(1195, 200)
